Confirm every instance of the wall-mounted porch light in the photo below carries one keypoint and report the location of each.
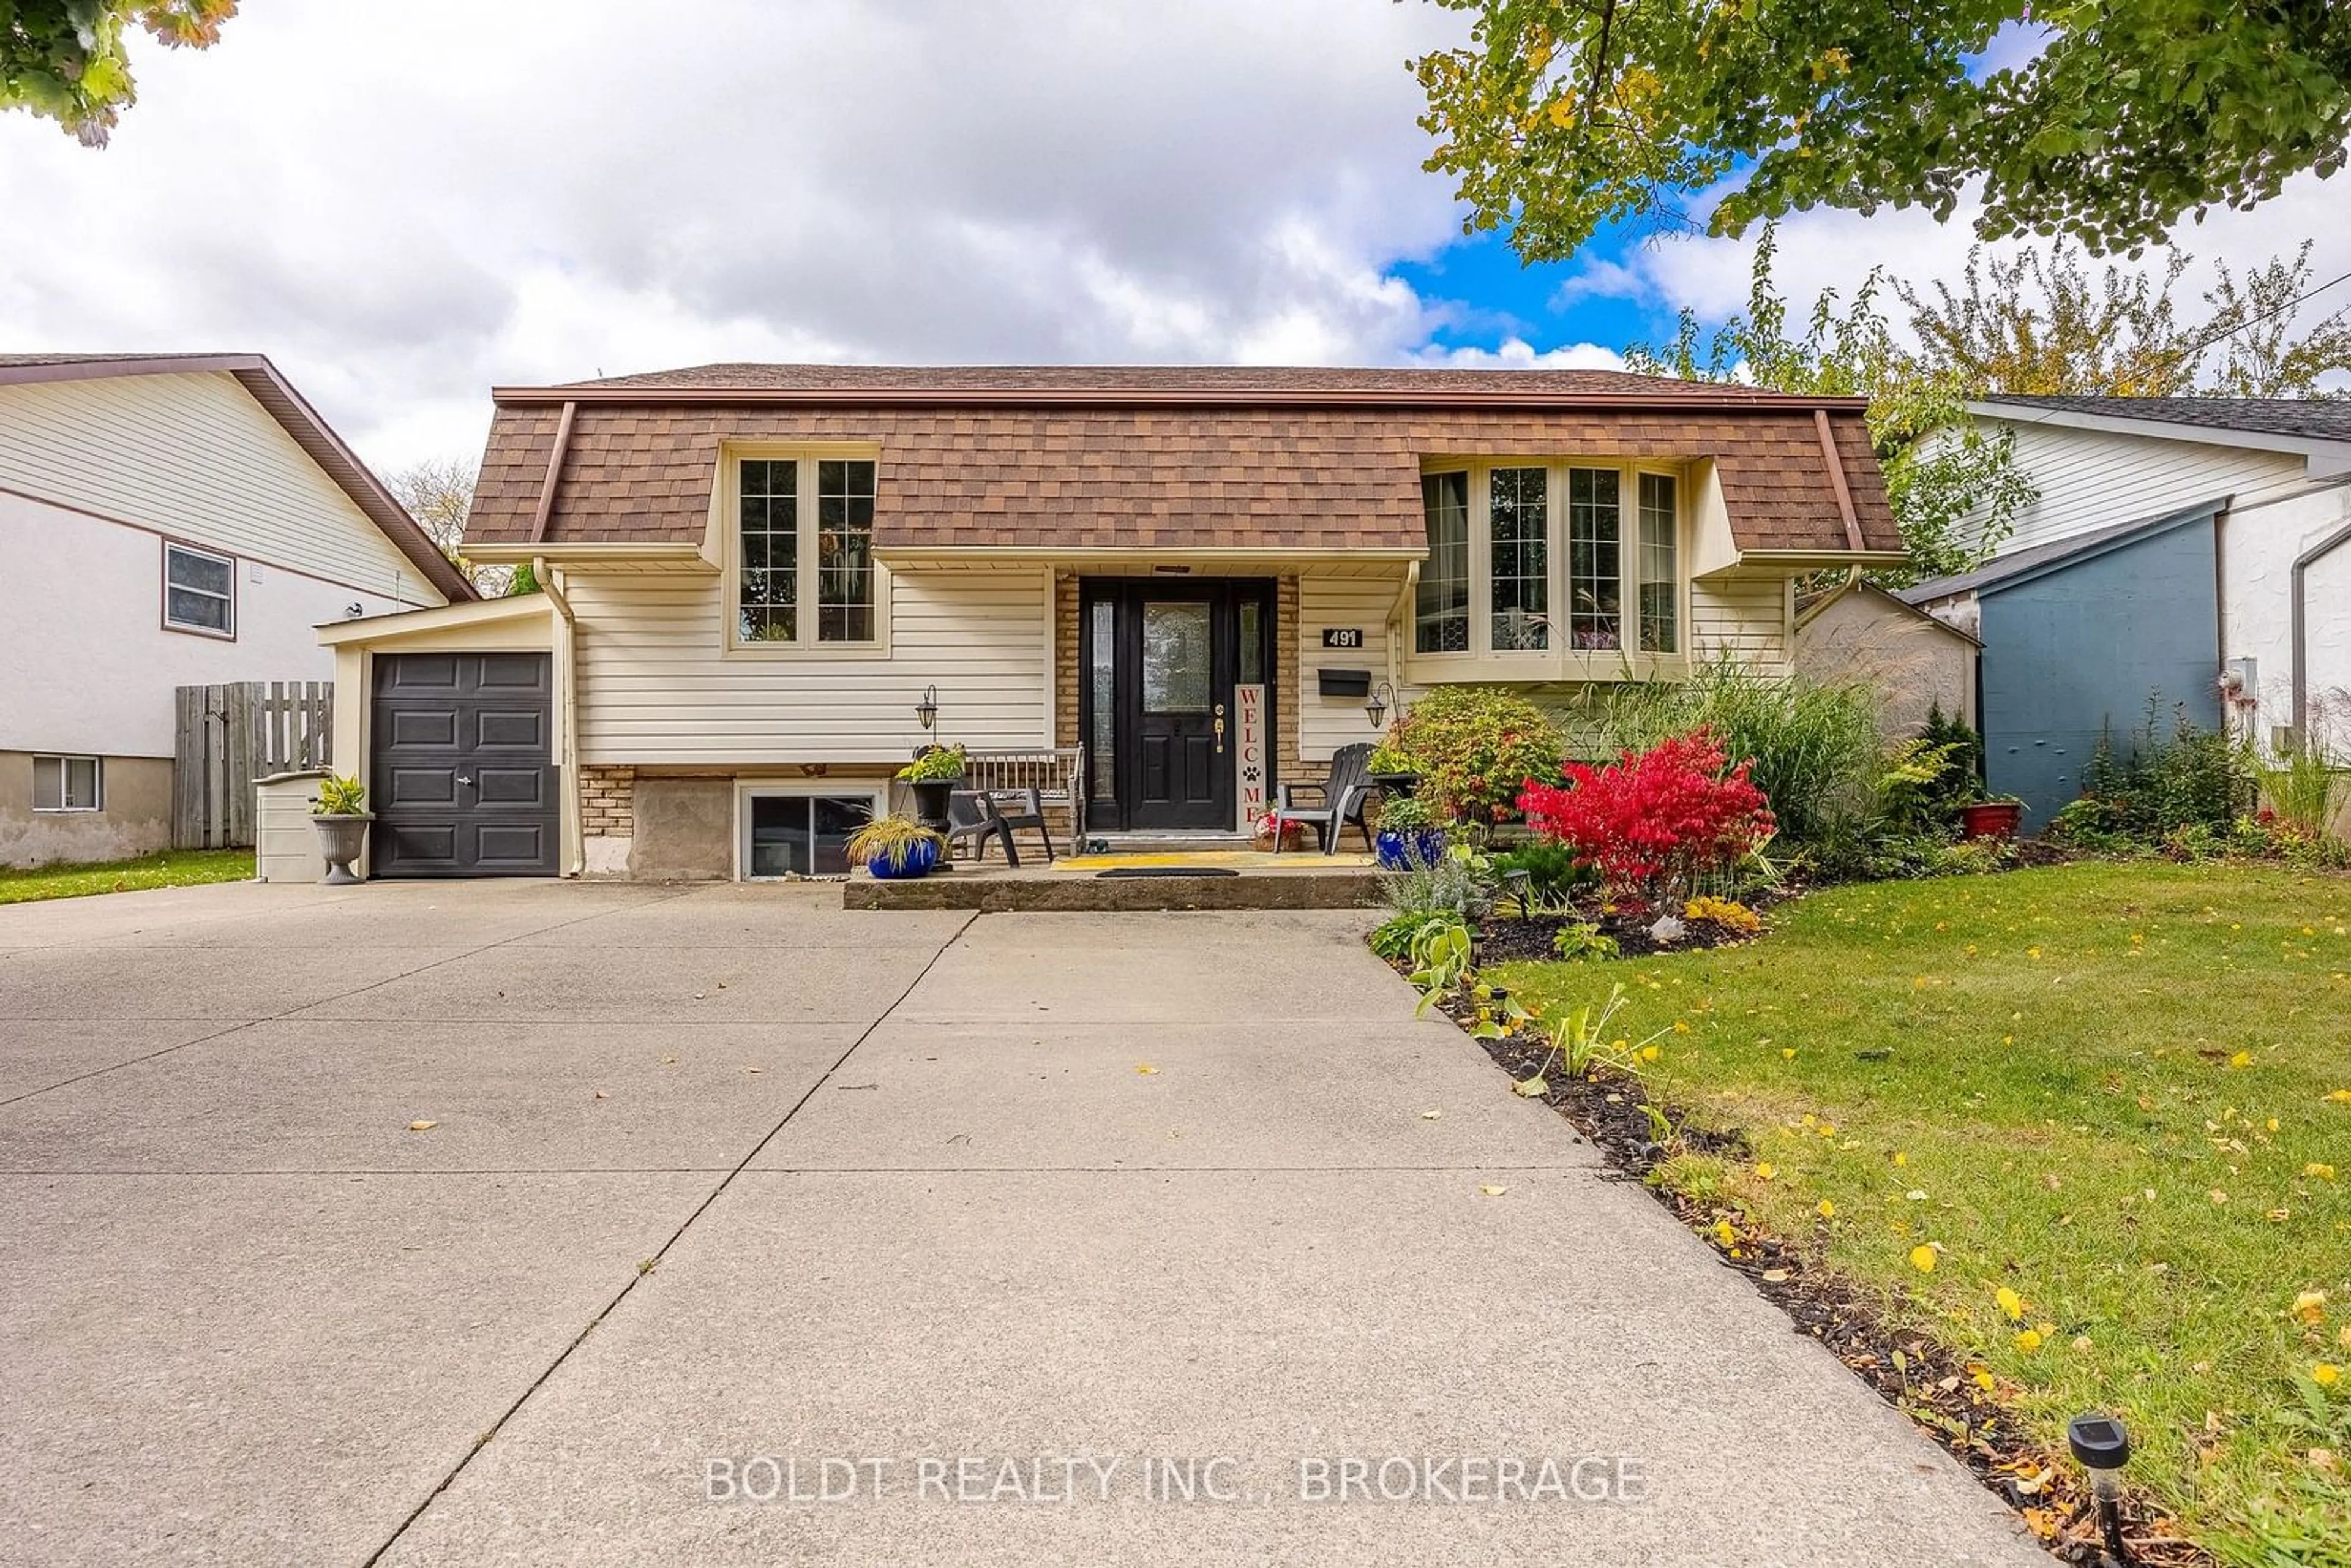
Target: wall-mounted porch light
(1376, 710)
(926, 707)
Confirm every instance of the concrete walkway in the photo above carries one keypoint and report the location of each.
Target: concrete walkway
(721, 1177)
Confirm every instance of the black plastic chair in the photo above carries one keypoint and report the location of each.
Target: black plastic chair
(1031, 813)
(1343, 795)
(971, 815)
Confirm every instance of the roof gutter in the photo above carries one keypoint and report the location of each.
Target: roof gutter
(1178, 397)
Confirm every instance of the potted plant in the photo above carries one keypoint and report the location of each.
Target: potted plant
(893, 847)
(1392, 770)
(1993, 817)
(1271, 833)
(339, 813)
(933, 774)
(1409, 834)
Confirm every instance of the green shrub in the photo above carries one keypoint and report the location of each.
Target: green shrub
(2303, 786)
(2167, 777)
(1814, 745)
(1459, 884)
(1962, 779)
(1474, 748)
(1574, 944)
(1552, 873)
(1392, 938)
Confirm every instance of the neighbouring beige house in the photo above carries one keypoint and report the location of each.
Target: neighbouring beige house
(1184, 585)
(167, 520)
(1855, 630)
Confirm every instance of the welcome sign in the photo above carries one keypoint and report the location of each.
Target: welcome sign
(1250, 760)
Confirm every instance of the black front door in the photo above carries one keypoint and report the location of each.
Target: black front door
(464, 784)
(1163, 659)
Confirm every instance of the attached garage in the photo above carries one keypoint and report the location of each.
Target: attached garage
(461, 740)
(463, 770)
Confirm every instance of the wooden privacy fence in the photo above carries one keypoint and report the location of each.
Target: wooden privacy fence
(229, 736)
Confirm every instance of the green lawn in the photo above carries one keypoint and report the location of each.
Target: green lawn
(2121, 1091)
(173, 868)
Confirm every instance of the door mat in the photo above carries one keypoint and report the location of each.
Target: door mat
(1168, 870)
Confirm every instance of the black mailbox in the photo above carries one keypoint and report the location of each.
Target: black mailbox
(1344, 683)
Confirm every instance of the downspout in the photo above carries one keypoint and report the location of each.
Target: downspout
(566, 717)
(1400, 620)
(2302, 565)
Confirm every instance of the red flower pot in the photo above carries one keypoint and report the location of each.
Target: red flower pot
(1991, 820)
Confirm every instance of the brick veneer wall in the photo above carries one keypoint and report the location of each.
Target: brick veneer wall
(607, 801)
(1066, 673)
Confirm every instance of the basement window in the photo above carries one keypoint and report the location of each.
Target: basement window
(67, 784)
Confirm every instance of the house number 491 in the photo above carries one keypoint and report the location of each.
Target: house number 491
(1343, 636)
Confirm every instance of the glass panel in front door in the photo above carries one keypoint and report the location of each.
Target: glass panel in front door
(1177, 655)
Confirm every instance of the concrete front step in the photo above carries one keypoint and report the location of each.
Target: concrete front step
(1356, 887)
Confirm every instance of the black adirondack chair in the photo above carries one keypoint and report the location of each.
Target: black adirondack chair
(1343, 797)
(1027, 811)
(972, 817)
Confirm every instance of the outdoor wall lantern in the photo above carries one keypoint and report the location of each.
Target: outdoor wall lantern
(1376, 710)
(926, 707)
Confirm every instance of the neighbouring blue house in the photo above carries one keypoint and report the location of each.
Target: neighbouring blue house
(2078, 635)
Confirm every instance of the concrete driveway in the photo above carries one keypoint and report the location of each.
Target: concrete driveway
(724, 1179)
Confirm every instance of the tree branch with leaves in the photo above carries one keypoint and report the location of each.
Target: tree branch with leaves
(1563, 116)
(67, 59)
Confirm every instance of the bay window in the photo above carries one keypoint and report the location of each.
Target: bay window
(804, 551)
(1571, 567)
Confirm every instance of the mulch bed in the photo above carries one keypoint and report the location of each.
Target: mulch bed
(1957, 1402)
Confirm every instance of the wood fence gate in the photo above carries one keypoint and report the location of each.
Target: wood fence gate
(229, 736)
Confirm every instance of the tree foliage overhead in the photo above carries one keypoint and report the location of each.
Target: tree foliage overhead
(66, 59)
(439, 494)
(2025, 325)
(1564, 115)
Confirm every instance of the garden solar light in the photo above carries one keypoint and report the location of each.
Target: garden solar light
(1376, 710)
(926, 707)
(2103, 1447)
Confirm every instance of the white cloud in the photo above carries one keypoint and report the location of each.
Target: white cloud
(1518, 354)
(1828, 248)
(542, 189)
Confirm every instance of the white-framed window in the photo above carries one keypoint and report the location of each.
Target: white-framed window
(199, 590)
(68, 784)
(804, 573)
(802, 830)
(1570, 562)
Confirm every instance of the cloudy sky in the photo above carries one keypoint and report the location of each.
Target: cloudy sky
(402, 205)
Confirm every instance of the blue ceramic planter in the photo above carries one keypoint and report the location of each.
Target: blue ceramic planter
(920, 858)
(1400, 852)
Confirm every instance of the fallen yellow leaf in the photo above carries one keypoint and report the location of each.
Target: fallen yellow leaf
(2242, 1058)
(422, 1126)
(1922, 1258)
(1492, 1191)
(1827, 1209)
(1145, 1067)
(2326, 1374)
(2028, 1340)
(1766, 1172)
(2322, 1173)
(1430, 1116)
(2009, 1303)
(2311, 1306)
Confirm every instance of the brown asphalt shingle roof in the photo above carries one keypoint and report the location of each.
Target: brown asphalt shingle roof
(1144, 458)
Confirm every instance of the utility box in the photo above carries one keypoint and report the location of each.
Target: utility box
(286, 847)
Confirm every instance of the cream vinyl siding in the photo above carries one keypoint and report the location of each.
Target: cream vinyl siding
(195, 457)
(2091, 479)
(1326, 723)
(1748, 616)
(658, 685)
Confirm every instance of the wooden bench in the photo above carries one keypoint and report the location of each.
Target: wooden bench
(1056, 773)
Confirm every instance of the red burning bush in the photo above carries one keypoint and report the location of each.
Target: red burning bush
(1650, 824)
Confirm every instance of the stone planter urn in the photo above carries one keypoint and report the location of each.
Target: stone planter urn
(342, 839)
(930, 801)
